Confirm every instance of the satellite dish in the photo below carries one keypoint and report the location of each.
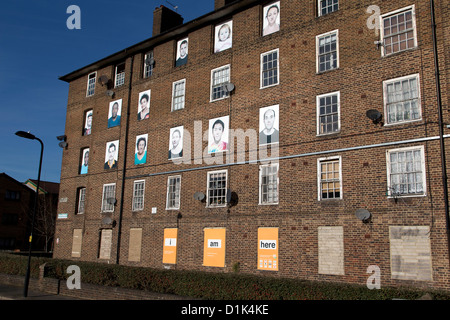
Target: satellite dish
(229, 87)
(63, 144)
(363, 214)
(374, 115)
(111, 201)
(110, 93)
(107, 220)
(150, 61)
(232, 198)
(103, 80)
(199, 196)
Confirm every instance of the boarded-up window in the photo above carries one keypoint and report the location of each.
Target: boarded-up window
(331, 250)
(76, 243)
(105, 244)
(134, 249)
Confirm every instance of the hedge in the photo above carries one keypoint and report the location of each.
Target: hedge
(207, 285)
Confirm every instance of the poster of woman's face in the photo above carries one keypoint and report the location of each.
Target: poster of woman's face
(115, 110)
(223, 36)
(111, 155)
(271, 21)
(182, 52)
(140, 152)
(218, 134)
(144, 105)
(88, 123)
(269, 125)
(84, 161)
(176, 142)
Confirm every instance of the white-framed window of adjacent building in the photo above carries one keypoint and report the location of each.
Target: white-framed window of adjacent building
(406, 172)
(138, 195)
(328, 113)
(402, 99)
(173, 193)
(119, 78)
(219, 78)
(149, 63)
(109, 197)
(398, 30)
(92, 78)
(327, 6)
(327, 51)
(81, 200)
(270, 63)
(217, 188)
(329, 178)
(268, 183)
(178, 94)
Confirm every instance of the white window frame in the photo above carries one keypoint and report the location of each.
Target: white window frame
(261, 81)
(319, 9)
(208, 189)
(318, 37)
(148, 68)
(90, 90)
(81, 197)
(318, 116)
(135, 197)
(104, 208)
(116, 76)
(388, 171)
(174, 96)
(319, 177)
(226, 95)
(261, 202)
(392, 13)
(385, 98)
(176, 207)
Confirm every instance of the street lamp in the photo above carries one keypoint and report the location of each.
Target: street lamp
(30, 136)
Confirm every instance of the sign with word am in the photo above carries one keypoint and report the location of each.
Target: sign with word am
(268, 249)
(214, 247)
(170, 245)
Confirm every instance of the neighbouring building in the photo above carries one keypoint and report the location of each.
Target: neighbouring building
(302, 139)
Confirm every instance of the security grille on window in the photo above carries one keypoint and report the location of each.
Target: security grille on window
(327, 6)
(219, 77)
(173, 192)
(398, 31)
(269, 184)
(120, 75)
(329, 179)
(138, 195)
(109, 195)
(269, 68)
(402, 99)
(217, 188)
(406, 172)
(328, 113)
(81, 200)
(327, 51)
(178, 94)
(91, 84)
(148, 64)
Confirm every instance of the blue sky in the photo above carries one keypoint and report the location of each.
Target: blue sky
(36, 48)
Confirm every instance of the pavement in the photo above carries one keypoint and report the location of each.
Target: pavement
(10, 292)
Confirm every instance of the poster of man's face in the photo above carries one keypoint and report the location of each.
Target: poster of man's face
(223, 37)
(115, 110)
(218, 134)
(111, 155)
(269, 125)
(271, 22)
(182, 52)
(176, 142)
(88, 123)
(144, 105)
(140, 152)
(84, 161)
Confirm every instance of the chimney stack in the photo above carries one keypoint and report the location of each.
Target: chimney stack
(165, 19)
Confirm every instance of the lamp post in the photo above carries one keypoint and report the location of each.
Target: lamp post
(30, 136)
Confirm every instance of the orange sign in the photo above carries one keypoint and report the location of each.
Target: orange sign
(268, 249)
(214, 247)
(170, 246)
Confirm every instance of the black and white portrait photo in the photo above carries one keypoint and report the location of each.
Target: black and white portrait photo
(271, 14)
(223, 37)
(182, 52)
(269, 125)
(218, 134)
(176, 142)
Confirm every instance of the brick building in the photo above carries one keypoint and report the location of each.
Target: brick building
(311, 144)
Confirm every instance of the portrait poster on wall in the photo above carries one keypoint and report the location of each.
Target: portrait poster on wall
(182, 52)
(111, 155)
(271, 14)
(176, 142)
(144, 105)
(269, 125)
(115, 110)
(84, 161)
(88, 123)
(223, 37)
(140, 152)
(218, 134)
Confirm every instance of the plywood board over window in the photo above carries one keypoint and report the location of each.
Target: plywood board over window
(105, 244)
(135, 245)
(76, 243)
